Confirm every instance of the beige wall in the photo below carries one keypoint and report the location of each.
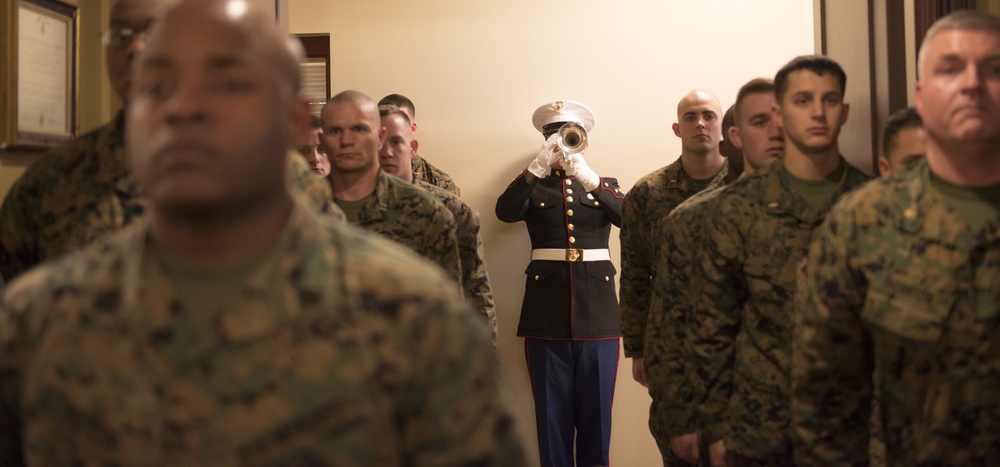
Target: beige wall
(477, 70)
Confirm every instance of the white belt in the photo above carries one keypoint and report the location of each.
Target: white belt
(574, 255)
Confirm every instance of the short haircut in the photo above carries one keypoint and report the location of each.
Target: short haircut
(400, 101)
(899, 121)
(818, 64)
(754, 86)
(962, 19)
(385, 110)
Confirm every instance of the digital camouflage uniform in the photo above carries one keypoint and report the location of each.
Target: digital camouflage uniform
(899, 290)
(740, 332)
(423, 171)
(409, 215)
(82, 189)
(475, 280)
(672, 412)
(649, 201)
(343, 349)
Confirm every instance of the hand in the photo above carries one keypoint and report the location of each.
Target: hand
(639, 372)
(718, 456)
(686, 447)
(542, 165)
(575, 166)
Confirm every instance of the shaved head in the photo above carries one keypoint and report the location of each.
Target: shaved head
(696, 97)
(253, 26)
(367, 104)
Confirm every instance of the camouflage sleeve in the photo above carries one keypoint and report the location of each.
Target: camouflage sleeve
(831, 355)
(665, 353)
(448, 400)
(442, 242)
(13, 335)
(636, 271)
(476, 280)
(18, 251)
(457, 416)
(719, 291)
(512, 205)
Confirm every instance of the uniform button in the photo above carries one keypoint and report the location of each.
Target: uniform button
(569, 213)
(569, 191)
(569, 199)
(597, 203)
(541, 205)
(571, 227)
(605, 183)
(569, 182)
(572, 239)
(606, 278)
(536, 277)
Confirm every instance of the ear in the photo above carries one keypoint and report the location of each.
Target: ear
(382, 133)
(677, 129)
(413, 127)
(735, 138)
(299, 121)
(883, 166)
(776, 114)
(843, 115)
(917, 101)
(413, 148)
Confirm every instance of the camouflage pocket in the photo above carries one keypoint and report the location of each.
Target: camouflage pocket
(907, 311)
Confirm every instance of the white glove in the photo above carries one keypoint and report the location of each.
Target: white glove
(575, 166)
(542, 165)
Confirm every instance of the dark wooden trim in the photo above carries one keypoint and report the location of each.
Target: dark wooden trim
(822, 27)
(895, 31)
(873, 85)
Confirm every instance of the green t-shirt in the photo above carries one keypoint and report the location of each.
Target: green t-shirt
(352, 209)
(977, 205)
(203, 292)
(817, 193)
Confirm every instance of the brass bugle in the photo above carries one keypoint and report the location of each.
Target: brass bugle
(572, 138)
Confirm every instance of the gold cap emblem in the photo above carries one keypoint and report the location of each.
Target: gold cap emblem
(558, 105)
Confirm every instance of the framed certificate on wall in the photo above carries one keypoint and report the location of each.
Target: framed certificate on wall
(39, 80)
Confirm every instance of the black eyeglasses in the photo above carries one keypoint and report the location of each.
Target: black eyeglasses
(121, 37)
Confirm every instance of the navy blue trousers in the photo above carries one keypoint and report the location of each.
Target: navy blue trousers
(573, 383)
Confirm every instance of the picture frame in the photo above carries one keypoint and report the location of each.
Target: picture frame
(40, 52)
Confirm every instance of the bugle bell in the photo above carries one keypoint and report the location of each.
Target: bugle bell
(572, 138)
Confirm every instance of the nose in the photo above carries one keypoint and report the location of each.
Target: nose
(774, 131)
(346, 138)
(186, 104)
(816, 108)
(972, 78)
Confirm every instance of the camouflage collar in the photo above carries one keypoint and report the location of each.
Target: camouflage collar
(678, 179)
(380, 198)
(779, 199)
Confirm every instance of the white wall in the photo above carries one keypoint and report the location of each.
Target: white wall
(478, 69)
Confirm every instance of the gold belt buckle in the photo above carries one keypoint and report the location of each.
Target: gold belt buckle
(574, 255)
